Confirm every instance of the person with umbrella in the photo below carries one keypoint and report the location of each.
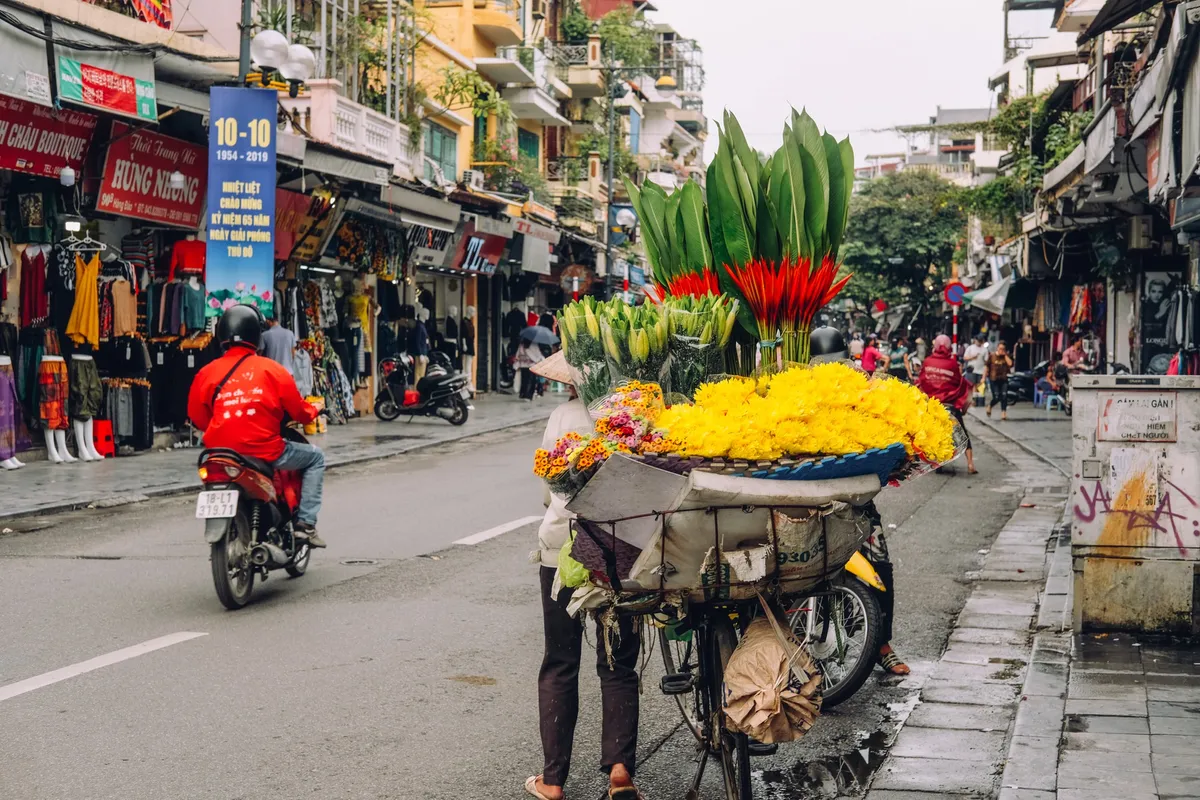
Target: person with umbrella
(529, 353)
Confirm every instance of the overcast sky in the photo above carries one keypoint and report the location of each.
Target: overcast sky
(858, 66)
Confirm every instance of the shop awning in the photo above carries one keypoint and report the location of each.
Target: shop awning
(415, 208)
(991, 298)
(1113, 14)
(181, 97)
(1190, 150)
(339, 163)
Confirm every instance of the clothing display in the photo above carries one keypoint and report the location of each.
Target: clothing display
(84, 325)
(85, 392)
(124, 305)
(187, 259)
(53, 392)
(13, 435)
(35, 302)
(302, 363)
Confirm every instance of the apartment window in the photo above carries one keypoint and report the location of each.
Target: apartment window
(441, 147)
(481, 136)
(527, 143)
(635, 131)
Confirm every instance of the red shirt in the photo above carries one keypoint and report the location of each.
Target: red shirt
(249, 413)
(942, 379)
(187, 258)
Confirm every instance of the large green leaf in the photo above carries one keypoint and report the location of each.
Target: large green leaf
(693, 222)
(649, 243)
(720, 253)
(847, 153)
(742, 149)
(654, 204)
(731, 216)
(835, 225)
(786, 193)
(675, 245)
(816, 179)
(747, 190)
(769, 245)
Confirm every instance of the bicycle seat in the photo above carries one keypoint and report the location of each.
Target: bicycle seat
(256, 464)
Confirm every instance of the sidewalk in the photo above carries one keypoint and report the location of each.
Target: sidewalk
(43, 487)
(1021, 708)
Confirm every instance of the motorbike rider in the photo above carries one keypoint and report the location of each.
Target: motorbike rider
(240, 402)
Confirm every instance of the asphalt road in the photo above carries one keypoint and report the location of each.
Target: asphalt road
(401, 665)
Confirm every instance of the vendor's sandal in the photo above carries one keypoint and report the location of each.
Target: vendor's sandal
(624, 793)
(891, 662)
(531, 786)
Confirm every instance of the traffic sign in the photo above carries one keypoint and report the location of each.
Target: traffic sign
(954, 293)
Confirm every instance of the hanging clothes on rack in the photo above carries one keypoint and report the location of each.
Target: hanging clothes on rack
(84, 325)
(35, 302)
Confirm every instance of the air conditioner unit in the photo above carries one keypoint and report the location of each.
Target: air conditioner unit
(473, 178)
(538, 8)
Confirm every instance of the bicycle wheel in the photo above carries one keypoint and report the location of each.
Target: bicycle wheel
(847, 651)
(681, 657)
(734, 747)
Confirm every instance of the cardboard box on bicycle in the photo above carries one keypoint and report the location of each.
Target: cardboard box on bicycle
(676, 543)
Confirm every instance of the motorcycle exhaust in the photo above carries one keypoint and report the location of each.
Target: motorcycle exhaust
(267, 553)
(445, 413)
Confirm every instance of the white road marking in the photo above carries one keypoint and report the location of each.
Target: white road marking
(11, 690)
(499, 530)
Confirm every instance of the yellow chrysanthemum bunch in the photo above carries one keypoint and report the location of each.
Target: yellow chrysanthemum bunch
(831, 409)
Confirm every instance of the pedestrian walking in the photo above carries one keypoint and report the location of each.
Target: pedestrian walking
(975, 359)
(999, 365)
(942, 378)
(873, 360)
(279, 345)
(558, 679)
(857, 346)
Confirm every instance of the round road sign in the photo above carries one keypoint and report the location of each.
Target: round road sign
(954, 293)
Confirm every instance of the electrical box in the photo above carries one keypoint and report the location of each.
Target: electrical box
(1141, 230)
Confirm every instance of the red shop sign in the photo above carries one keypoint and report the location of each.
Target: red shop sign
(41, 141)
(137, 178)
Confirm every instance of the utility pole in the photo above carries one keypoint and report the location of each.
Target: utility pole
(244, 49)
(610, 88)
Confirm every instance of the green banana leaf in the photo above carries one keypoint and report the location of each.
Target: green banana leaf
(847, 154)
(787, 197)
(720, 253)
(654, 203)
(693, 224)
(742, 148)
(675, 243)
(816, 180)
(649, 243)
(731, 216)
(839, 201)
(769, 245)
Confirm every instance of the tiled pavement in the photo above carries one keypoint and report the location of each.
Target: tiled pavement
(1024, 709)
(42, 487)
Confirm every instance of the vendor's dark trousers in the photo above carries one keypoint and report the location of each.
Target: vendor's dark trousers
(528, 383)
(999, 394)
(558, 688)
(887, 599)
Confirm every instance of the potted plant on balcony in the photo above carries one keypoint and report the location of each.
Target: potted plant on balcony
(575, 25)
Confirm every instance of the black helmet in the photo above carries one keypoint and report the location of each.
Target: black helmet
(826, 344)
(242, 324)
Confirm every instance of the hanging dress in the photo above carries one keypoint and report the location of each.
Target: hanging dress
(84, 325)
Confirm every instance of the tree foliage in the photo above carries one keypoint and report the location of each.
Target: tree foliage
(901, 237)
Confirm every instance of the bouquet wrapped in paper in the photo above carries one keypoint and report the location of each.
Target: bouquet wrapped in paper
(700, 330)
(579, 324)
(635, 342)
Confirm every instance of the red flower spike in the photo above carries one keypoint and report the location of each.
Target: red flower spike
(763, 286)
(693, 284)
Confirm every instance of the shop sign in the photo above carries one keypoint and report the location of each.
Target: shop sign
(637, 276)
(493, 227)
(137, 178)
(41, 141)
(107, 90)
(1138, 417)
(551, 235)
(241, 199)
(476, 251)
(312, 229)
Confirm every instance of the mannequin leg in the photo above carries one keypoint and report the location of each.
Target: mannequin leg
(10, 463)
(469, 370)
(60, 439)
(89, 432)
(81, 439)
(52, 448)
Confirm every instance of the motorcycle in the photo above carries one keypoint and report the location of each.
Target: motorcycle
(1021, 384)
(248, 509)
(441, 393)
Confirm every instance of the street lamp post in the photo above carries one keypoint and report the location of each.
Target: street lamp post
(666, 86)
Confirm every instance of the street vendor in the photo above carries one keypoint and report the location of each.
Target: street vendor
(558, 679)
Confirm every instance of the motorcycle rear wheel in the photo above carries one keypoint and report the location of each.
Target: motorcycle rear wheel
(233, 574)
(460, 412)
(299, 563)
(386, 409)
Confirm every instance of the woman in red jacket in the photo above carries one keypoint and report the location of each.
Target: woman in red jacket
(941, 378)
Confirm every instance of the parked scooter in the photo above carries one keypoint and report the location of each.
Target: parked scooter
(440, 393)
(1021, 384)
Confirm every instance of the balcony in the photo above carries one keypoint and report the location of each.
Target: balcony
(1084, 95)
(578, 192)
(584, 73)
(536, 99)
(691, 115)
(499, 21)
(334, 119)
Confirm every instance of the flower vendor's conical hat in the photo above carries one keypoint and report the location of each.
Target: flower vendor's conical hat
(553, 368)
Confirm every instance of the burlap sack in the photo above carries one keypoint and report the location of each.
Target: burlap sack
(771, 685)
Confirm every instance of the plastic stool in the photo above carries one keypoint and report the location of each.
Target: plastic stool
(102, 434)
(1053, 401)
(1038, 396)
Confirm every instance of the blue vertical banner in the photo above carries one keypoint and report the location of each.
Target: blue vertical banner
(241, 199)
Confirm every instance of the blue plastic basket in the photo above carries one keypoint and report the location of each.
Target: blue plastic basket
(876, 461)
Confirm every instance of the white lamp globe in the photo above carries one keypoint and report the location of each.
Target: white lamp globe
(269, 49)
(300, 64)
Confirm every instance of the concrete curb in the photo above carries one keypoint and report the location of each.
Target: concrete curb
(988, 423)
(169, 490)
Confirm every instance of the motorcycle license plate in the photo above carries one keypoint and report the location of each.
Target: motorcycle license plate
(216, 505)
(465, 394)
